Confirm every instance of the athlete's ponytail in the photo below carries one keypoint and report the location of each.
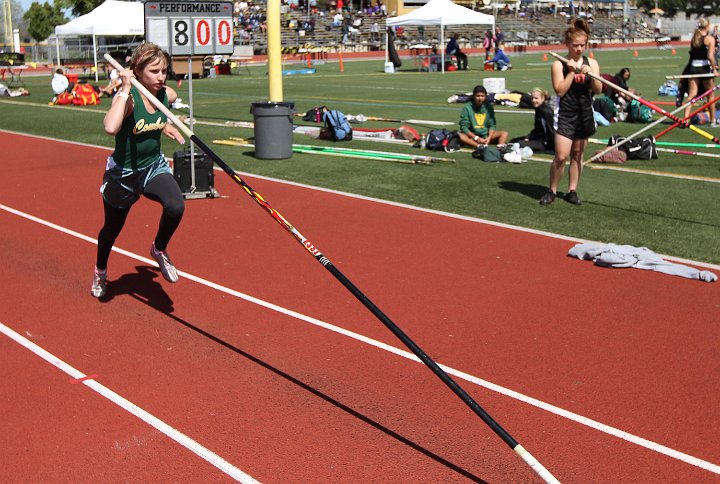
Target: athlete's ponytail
(578, 26)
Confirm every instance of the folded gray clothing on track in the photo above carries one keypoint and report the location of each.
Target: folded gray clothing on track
(612, 255)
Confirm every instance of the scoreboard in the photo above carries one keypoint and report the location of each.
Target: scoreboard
(189, 27)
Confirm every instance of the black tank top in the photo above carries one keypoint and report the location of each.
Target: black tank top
(699, 53)
(579, 96)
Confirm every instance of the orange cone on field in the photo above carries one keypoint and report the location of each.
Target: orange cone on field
(673, 51)
(592, 56)
(635, 53)
(545, 57)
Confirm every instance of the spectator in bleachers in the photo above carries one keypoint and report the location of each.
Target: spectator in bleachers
(499, 36)
(337, 20)
(375, 32)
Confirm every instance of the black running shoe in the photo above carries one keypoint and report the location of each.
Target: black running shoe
(548, 198)
(572, 197)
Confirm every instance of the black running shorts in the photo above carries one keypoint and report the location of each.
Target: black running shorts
(576, 124)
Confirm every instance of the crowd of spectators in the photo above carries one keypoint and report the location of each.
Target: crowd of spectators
(343, 22)
(250, 18)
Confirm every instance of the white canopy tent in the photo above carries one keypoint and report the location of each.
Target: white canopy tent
(442, 13)
(113, 17)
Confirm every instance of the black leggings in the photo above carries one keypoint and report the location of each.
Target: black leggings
(163, 189)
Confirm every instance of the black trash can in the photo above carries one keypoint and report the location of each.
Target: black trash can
(273, 129)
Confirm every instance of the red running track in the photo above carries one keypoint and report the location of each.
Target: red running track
(619, 366)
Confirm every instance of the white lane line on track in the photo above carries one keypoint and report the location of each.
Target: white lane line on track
(648, 444)
(130, 407)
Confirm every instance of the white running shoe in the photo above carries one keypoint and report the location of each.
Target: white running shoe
(166, 266)
(452, 99)
(99, 284)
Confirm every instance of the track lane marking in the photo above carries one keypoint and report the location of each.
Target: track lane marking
(130, 407)
(607, 429)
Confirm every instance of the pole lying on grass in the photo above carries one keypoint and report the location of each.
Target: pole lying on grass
(300, 149)
(531, 461)
(666, 150)
(410, 121)
(655, 108)
(665, 143)
(690, 116)
(337, 149)
(690, 76)
(386, 154)
(598, 155)
(691, 153)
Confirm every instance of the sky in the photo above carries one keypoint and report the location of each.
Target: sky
(26, 3)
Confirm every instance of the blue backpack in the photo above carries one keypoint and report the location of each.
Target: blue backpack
(337, 125)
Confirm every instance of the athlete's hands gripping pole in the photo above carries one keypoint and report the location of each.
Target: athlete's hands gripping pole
(536, 466)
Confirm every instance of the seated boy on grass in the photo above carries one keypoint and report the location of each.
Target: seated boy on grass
(477, 122)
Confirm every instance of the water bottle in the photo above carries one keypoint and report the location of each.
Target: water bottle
(423, 142)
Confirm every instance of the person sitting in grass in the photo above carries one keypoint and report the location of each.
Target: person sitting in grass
(542, 137)
(500, 61)
(477, 122)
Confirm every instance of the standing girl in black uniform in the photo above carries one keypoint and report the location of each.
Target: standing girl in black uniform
(702, 61)
(573, 113)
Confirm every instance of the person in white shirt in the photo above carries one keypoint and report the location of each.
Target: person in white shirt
(60, 83)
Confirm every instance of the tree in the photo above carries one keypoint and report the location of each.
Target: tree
(80, 7)
(670, 7)
(702, 8)
(42, 19)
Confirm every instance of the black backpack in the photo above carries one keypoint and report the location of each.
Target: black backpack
(442, 139)
(315, 115)
(636, 149)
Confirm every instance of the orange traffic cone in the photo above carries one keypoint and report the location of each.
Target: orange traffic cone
(635, 53)
(545, 57)
(673, 51)
(592, 56)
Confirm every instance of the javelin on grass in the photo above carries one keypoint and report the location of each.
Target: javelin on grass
(526, 456)
(649, 126)
(655, 108)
